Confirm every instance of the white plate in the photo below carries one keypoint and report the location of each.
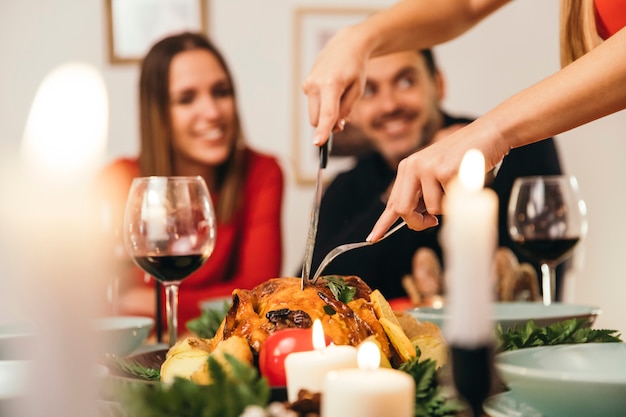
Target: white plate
(13, 376)
(517, 313)
(568, 380)
(506, 405)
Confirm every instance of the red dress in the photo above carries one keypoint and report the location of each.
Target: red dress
(248, 249)
(610, 17)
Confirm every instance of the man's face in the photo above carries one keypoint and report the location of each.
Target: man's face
(399, 110)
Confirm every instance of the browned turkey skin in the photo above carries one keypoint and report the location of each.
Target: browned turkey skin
(279, 303)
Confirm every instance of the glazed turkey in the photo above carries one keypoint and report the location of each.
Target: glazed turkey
(280, 303)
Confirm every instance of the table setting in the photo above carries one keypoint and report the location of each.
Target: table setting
(332, 346)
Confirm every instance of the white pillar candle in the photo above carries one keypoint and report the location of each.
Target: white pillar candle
(307, 370)
(368, 391)
(469, 239)
(62, 149)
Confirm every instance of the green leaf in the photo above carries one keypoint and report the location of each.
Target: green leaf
(340, 289)
(227, 396)
(576, 330)
(209, 321)
(329, 310)
(134, 368)
(430, 398)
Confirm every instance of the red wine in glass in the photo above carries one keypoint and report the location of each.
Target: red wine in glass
(170, 268)
(547, 250)
(169, 231)
(546, 219)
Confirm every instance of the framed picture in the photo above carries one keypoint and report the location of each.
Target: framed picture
(133, 26)
(313, 27)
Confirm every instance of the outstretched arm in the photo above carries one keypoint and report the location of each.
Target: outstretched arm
(337, 78)
(588, 89)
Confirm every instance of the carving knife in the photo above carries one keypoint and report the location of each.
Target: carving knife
(315, 212)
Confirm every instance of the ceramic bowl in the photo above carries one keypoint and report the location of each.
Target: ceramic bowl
(122, 335)
(518, 313)
(568, 380)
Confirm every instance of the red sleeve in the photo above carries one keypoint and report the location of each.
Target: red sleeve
(260, 242)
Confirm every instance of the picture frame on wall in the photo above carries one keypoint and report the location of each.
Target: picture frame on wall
(313, 27)
(134, 26)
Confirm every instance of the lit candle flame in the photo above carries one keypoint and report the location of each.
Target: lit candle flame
(319, 341)
(472, 170)
(368, 356)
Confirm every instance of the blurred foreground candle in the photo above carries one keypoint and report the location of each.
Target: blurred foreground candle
(368, 391)
(469, 238)
(56, 240)
(306, 370)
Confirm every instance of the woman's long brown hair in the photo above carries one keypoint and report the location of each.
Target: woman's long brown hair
(578, 34)
(156, 152)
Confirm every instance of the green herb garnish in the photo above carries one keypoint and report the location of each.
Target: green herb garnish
(577, 330)
(209, 321)
(329, 310)
(430, 398)
(227, 396)
(340, 289)
(134, 368)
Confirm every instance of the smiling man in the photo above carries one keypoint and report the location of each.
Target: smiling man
(398, 114)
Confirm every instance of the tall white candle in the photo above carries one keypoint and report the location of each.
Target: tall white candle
(469, 239)
(368, 391)
(64, 141)
(155, 212)
(307, 370)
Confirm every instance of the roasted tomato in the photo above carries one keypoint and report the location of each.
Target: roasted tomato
(276, 348)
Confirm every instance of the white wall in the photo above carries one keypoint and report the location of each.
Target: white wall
(510, 50)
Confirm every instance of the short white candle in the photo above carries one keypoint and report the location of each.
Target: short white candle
(369, 391)
(469, 239)
(307, 370)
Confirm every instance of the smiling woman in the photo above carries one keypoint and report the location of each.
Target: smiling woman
(190, 125)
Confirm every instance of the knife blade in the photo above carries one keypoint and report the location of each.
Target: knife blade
(315, 213)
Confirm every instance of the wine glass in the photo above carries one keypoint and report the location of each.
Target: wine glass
(169, 231)
(546, 219)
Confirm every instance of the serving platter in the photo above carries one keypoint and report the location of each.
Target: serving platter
(154, 359)
(512, 314)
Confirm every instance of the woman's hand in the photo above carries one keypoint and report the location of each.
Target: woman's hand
(336, 81)
(422, 178)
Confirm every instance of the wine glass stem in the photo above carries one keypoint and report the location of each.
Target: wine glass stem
(548, 283)
(171, 306)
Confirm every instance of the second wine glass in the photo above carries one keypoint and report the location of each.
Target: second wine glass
(546, 219)
(169, 231)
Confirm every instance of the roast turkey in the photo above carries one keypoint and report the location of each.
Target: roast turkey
(281, 303)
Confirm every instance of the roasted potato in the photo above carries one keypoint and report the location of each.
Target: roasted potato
(189, 358)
